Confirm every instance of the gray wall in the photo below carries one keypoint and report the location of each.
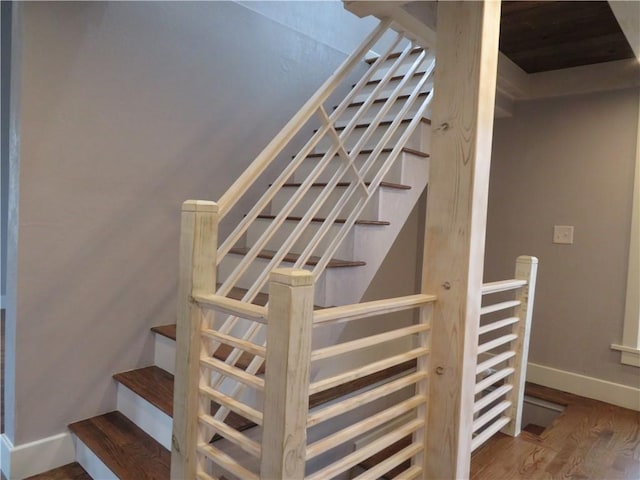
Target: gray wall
(5, 46)
(568, 161)
(127, 110)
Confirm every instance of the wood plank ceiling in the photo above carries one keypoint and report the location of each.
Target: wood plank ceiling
(547, 35)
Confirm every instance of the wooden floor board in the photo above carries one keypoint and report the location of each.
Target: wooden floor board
(589, 440)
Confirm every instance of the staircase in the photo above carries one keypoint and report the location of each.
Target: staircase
(299, 260)
(358, 182)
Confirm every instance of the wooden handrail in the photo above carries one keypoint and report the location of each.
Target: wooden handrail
(357, 311)
(502, 286)
(228, 305)
(264, 159)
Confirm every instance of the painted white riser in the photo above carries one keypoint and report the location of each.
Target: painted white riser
(149, 418)
(403, 68)
(326, 142)
(284, 231)
(281, 199)
(164, 355)
(390, 87)
(91, 463)
(304, 170)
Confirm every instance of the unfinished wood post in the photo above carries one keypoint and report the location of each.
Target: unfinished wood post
(286, 394)
(197, 274)
(422, 388)
(526, 269)
(461, 134)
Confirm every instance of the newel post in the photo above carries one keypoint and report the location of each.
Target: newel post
(461, 135)
(526, 269)
(197, 273)
(286, 395)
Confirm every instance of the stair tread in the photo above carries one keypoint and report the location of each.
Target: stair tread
(129, 452)
(397, 186)
(393, 55)
(71, 471)
(152, 383)
(369, 151)
(337, 220)
(384, 99)
(293, 257)
(392, 79)
(386, 123)
(156, 386)
(386, 453)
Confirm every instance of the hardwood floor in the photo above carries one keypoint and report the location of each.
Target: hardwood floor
(73, 471)
(589, 440)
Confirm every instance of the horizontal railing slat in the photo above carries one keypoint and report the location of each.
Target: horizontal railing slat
(485, 347)
(347, 313)
(365, 342)
(485, 418)
(365, 452)
(325, 384)
(232, 341)
(361, 399)
(499, 306)
(233, 372)
(502, 286)
(494, 360)
(393, 461)
(230, 306)
(227, 462)
(491, 397)
(232, 404)
(413, 472)
(232, 435)
(491, 379)
(490, 327)
(489, 432)
(363, 426)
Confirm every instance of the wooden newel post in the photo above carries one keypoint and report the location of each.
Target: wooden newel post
(286, 395)
(526, 269)
(197, 273)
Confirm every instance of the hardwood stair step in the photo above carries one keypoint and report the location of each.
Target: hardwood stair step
(397, 186)
(384, 99)
(123, 447)
(386, 123)
(368, 151)
(156, 386)
(72, 471)
(293, 257)
(393, 55)
(337, 220)
(151, 383)
(386, 453)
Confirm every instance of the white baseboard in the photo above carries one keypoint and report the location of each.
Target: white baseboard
(35, 457)
(589, 387)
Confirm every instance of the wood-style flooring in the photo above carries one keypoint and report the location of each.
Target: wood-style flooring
(589, 440)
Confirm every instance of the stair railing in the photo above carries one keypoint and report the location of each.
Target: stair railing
(358, 187)
(503, 346)
(295, 407)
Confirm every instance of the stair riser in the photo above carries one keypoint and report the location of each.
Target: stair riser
(91, 463)
(375, 108)
(390, 86)
(402, 69)
(305, 169)
(326, 142)
(145, 415)
(284, 231)
(282, 198)
(231, 261)
(164, 355)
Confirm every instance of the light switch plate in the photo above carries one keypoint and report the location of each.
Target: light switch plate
(563, 234)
